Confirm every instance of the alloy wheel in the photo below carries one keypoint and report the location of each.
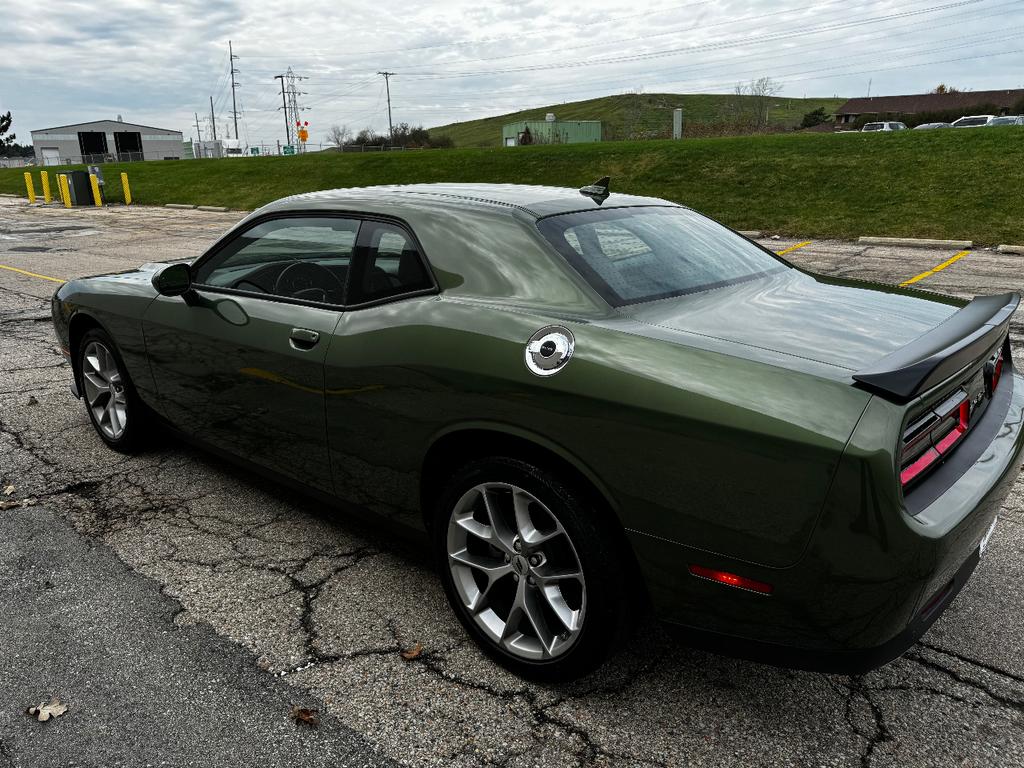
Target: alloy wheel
(104, 390)
(516, 571)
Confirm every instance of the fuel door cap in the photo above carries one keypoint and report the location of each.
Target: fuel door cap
(549, 349)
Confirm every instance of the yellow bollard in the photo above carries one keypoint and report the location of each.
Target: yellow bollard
(44, 179)
(126, 189)
(65, 193)
(31, 189)
(95, 190)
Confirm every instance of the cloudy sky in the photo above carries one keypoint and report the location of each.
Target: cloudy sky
(67, 61)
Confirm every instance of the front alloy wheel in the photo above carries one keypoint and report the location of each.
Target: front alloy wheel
(104, 390)
(114, 407)
(516, 571)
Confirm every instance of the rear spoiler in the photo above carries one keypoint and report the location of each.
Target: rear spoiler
(949, 347)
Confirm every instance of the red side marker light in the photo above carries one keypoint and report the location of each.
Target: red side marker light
(731, 579)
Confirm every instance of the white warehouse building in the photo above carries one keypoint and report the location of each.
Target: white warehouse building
(105, 141)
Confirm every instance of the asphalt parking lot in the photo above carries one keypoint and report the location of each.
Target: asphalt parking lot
(180, 606)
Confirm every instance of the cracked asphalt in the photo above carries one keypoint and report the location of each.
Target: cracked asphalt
(179, 564)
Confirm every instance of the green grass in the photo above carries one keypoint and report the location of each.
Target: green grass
(626, 113)
(943, 184)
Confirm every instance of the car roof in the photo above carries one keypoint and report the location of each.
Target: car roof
(538, 201)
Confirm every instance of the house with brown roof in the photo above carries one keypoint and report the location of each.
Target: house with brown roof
(965, 101)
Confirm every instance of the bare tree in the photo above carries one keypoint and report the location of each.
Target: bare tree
(339, 135)
(762, 91)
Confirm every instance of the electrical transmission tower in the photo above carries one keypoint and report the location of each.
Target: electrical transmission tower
(234, 103)
(290, 103)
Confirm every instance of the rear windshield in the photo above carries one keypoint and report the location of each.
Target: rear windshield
(632, 255)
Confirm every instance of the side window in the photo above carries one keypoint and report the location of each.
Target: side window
(297, 257)
(387, 264)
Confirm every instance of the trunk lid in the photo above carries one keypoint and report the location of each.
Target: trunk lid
(842, 323)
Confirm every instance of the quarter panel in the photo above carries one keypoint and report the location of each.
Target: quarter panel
(720, 453)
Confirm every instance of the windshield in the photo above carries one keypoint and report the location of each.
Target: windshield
(632, 255)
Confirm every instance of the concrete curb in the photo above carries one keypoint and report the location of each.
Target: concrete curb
(213, 208)
(753, 234)
(913, 242)
(1018, 249)
(182, 206)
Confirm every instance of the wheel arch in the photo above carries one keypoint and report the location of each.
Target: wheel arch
(457, 445)
(81, 322)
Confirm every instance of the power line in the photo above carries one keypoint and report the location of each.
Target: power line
(694, 48)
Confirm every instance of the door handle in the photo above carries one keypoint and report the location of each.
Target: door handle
(303, 338)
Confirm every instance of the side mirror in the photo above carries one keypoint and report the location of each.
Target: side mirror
(173, 280)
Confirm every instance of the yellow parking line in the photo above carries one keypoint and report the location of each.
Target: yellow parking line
(793, 248)
(933, 270)
(33, 274)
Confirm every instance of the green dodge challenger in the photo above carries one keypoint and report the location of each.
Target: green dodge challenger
(589, 404)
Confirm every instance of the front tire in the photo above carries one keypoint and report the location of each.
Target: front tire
(115, 410)
(531, 569)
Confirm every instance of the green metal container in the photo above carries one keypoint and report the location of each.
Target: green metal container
(525, 132)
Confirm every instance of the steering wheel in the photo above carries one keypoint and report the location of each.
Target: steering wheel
(305, 280)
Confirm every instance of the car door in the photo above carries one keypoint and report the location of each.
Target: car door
(239, 361)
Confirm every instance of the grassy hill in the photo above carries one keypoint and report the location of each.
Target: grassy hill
(623, 114)
(944, 184)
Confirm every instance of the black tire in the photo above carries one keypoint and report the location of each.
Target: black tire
(596, 543)
(138, 422)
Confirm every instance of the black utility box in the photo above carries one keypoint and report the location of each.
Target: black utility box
(80, 188)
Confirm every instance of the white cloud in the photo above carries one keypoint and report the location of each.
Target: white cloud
(159, 64)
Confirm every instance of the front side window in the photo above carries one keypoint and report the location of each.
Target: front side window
(633, 255)
(873, 127)
(303, 258)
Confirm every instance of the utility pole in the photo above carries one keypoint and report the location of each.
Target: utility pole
(287, 122)
(213, 120)
(234, 104)
(199, 135)
(387, 87)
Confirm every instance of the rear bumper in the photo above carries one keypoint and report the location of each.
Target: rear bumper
(874, 577)
(844, 661)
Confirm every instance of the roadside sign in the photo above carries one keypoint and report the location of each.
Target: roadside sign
(303, 134)
(254, 150)
(288, 149)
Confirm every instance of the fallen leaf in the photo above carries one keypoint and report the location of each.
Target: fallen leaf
(412, 653)
(303, 716)
(32, 400)
(45, 711)
(8, 504)
(8, 490)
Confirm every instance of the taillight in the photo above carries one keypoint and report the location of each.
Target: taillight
(934, 435)
(993, 370)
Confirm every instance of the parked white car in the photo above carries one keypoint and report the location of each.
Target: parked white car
(886, 126)
(1007, 120)
(973, 121)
